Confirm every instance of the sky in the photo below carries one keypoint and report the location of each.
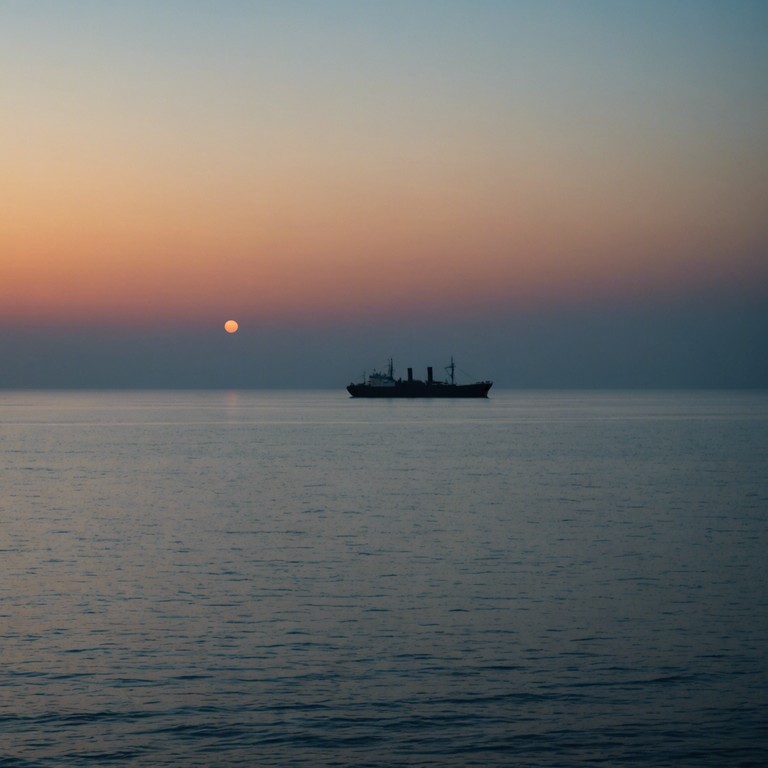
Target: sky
(559, 194)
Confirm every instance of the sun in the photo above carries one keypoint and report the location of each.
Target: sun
(231, 326)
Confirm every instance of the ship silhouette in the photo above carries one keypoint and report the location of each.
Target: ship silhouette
(384, 384)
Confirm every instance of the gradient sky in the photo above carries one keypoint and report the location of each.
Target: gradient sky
(344, 172)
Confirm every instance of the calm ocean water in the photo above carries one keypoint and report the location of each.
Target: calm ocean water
(540, 579)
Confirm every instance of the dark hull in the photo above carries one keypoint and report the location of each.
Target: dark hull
(421, 389)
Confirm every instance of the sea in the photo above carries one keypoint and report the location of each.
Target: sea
(298, 578)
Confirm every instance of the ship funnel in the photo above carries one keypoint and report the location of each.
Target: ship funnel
(410, 375)
(429, 374)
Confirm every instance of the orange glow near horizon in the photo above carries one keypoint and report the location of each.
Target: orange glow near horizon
(337, 252)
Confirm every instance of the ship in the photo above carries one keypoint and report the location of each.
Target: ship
(384, 384)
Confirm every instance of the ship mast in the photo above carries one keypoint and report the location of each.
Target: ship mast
(451, 368)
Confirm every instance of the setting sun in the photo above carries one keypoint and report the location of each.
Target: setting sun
(231, 326)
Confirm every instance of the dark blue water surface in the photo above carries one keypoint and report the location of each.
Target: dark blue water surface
(539, 579)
